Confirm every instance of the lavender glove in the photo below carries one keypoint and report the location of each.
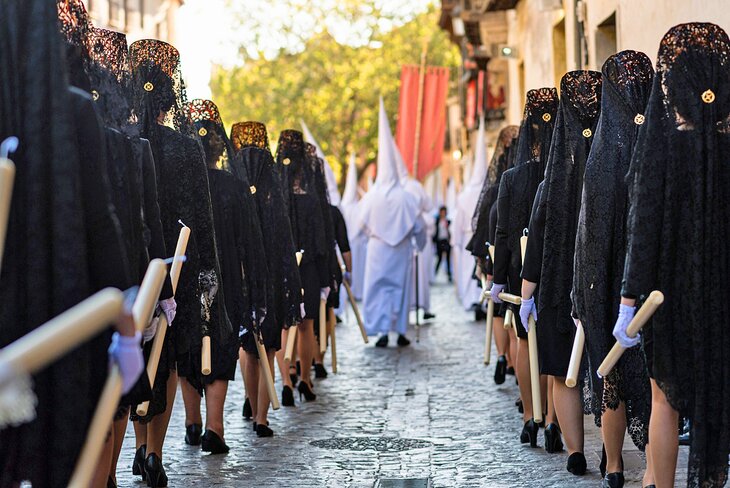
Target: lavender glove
(126, 352)
(169, 306)
(496, 290)
(302, 310)
(324, 293)
(625, 315)
(347, 277)
(150, 331)
(526, 309)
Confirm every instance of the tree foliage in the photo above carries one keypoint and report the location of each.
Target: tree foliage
(333, 86)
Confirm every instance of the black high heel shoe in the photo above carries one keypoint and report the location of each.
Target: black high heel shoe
(306, 391)
(577, 464)
(212, 443)
(287, 396)
(192, 434)
(529, 433)
(500, 371)
(319, 371)
(553, 442)
(138, 464)
(264, 431)
(247, 412)
(156, 476)
(110, 483)
(604, 461)
(613, 480)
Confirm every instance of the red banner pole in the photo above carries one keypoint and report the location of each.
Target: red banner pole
(419, 112)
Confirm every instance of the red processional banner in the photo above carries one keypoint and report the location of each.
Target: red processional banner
(433, 118)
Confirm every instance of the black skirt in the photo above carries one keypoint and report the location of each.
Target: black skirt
(554, 345)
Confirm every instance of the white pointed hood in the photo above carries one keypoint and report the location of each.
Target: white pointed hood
(479, 169)
(332, 190)
(387, 211)
(411, 185)
(469, 196)
(349, 196)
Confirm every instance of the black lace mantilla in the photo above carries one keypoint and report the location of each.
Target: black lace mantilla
(249, 134)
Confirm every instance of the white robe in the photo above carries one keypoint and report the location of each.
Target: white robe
(463, 261)
(425, 268)
(388, 277)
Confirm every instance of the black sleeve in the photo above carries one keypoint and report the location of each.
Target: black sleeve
(156, 247)
(501, 247)
(532, 268)
(108, 263)
(340, 230)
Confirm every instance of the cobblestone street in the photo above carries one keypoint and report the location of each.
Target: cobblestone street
(430, 413)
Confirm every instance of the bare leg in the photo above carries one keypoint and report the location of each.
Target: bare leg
(570, 414)
(550, 417)
(663, 434)
(119, 427)
(649, 473)
(513, 346)
(215, 398)
(157, 427)
(305, 344)
(284, 365)
(101, 475)
(263, 394)
(613, 429)
(140, 435)
(191, 398)
(523, 377)
(501, 336)
(251, 378)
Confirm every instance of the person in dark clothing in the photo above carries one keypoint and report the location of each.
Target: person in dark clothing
(622, 399)
(254, 163)
(678, 233)
(442, 239)
(550, 249)
(514, 203)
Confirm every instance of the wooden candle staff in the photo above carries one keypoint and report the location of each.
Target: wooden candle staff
(266, 370)
(656, 298)
(7, 177)
(322, 325)
(205, 356)
(356, 310)
(291, 338)
(143, 308)
(159, 340)
(576, 356)
(489, 323)
(331, 323)
(40, 347)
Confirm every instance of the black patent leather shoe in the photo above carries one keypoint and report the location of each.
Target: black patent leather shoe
(529, 433)
(287, 396)
(156, 476)
(383, 341)
(192, 434)
(613, 480)
(138, 463)
(403, 341)
(577, 464)
(319, 371)
(247, 412)
(553, 442)
(264, 431)
(212, 443)
(306, 391)
(500, 371)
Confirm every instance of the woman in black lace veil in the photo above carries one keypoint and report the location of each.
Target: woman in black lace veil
(623, 399)
(516, 193)
(243, 269)
(680, 213)
(309, 230)
(550, 249)
(284, 308)
(184, 198)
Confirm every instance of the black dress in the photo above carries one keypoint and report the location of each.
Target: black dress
(343, 244)
(558, 218)
(517, 190)
(283, 309)
(679, 218)
(601, 242)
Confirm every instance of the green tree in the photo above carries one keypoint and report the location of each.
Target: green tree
(334, 87)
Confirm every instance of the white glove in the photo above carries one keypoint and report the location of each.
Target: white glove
(324, 293)
(127, 353)
(169, 306)
(625, 315)
(150, 331)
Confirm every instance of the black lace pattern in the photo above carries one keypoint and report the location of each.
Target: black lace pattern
(679, 219)
(249, 134)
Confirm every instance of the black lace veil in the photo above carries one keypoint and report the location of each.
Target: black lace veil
(601, 240)
(678, 233)
(207, 120)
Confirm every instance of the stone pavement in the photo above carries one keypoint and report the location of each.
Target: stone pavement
(430, 413)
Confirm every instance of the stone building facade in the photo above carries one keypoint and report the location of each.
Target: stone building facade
(137, 18)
